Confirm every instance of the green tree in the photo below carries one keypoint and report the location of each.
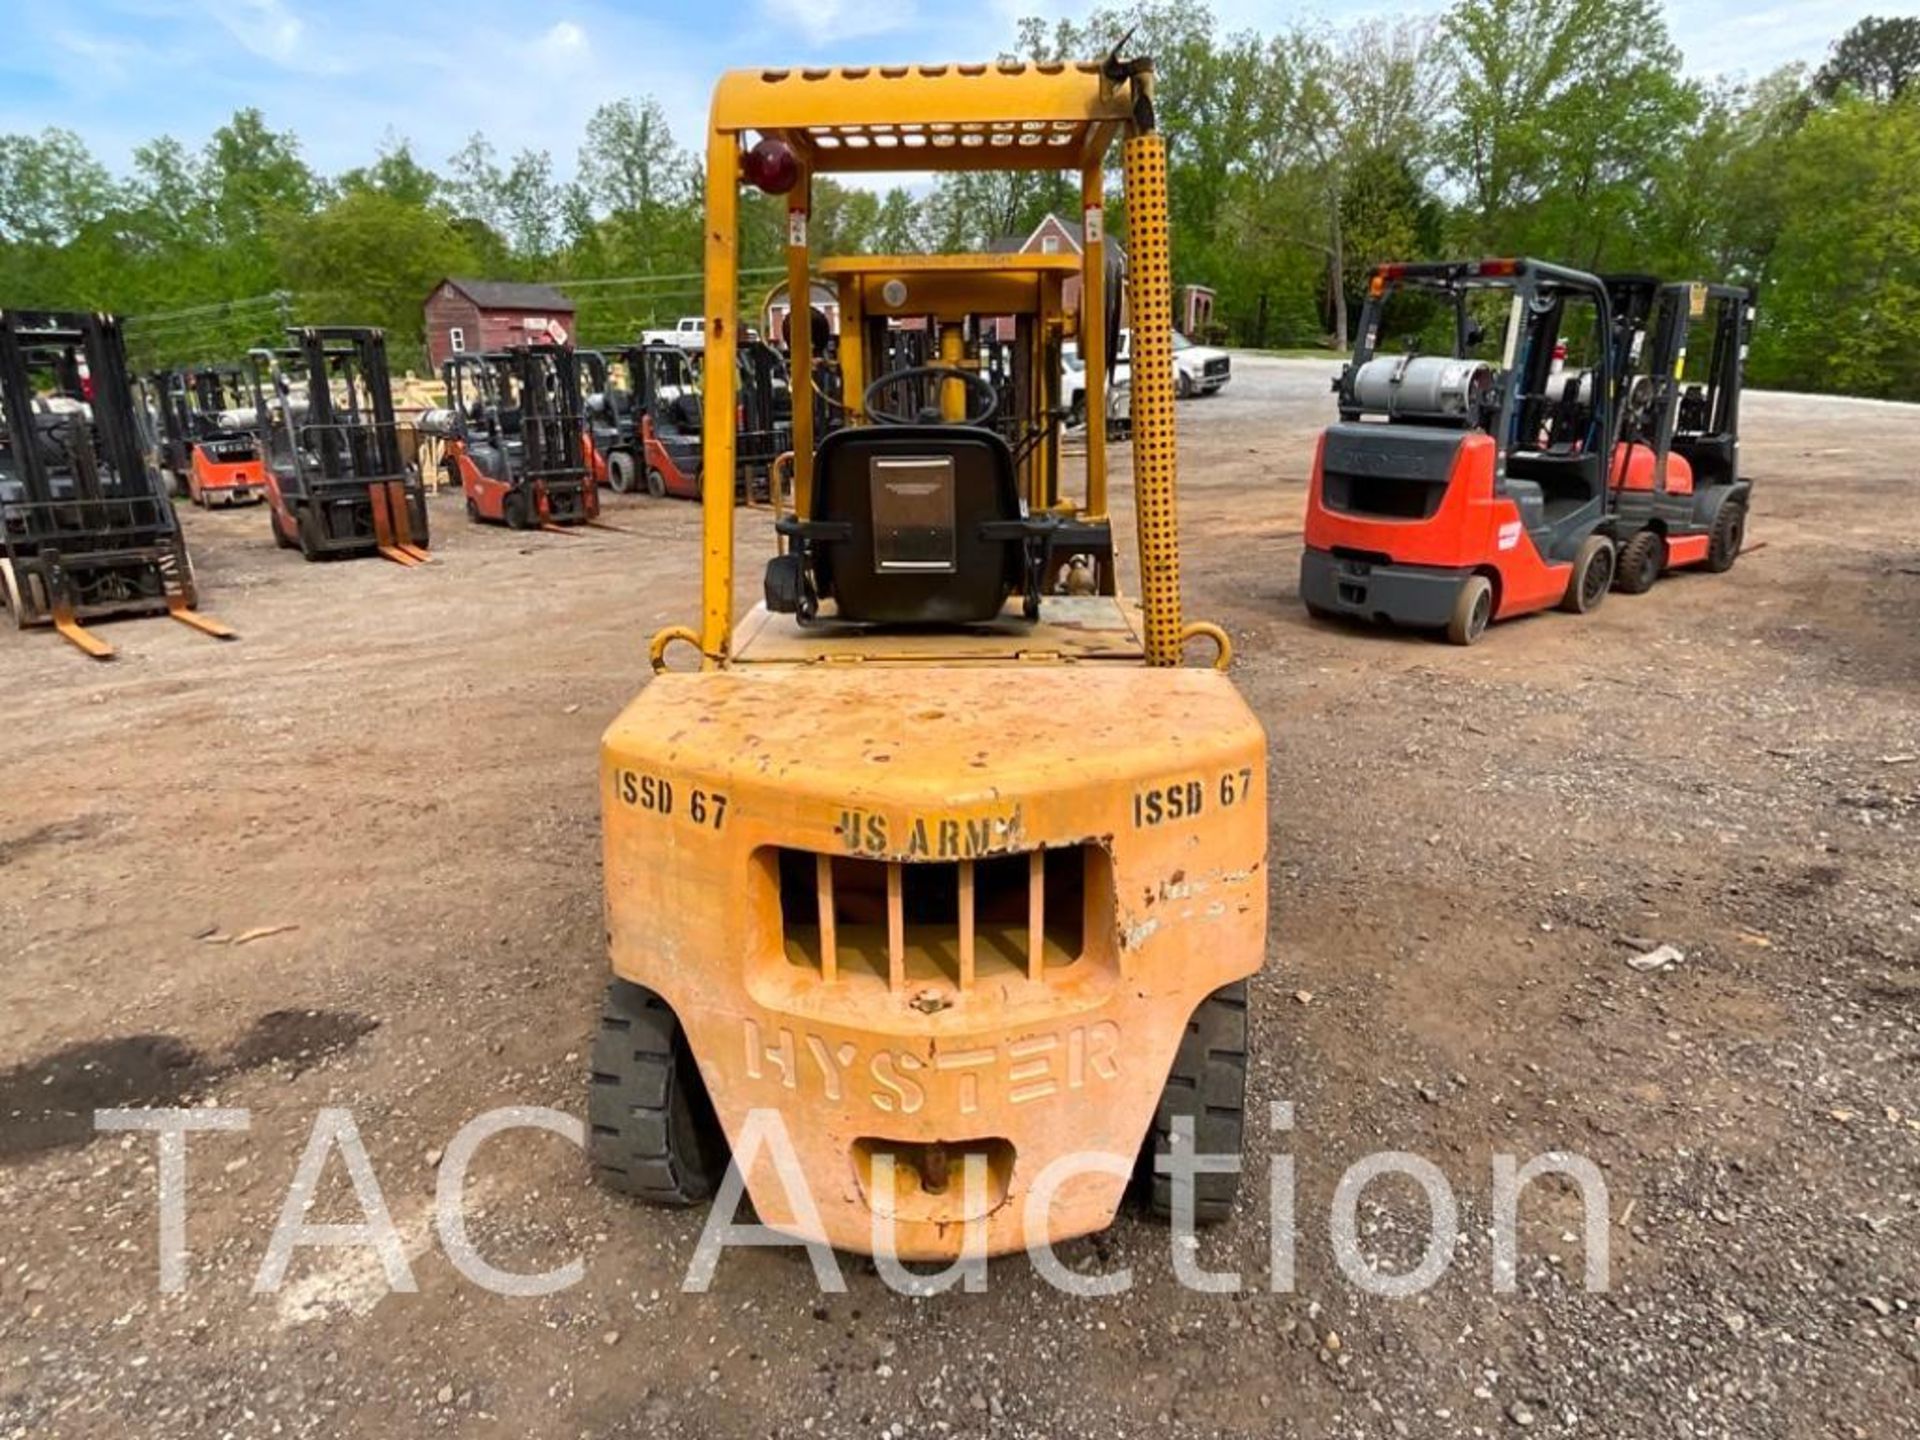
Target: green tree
(50, 187)
(1346, 115)
(630, 160)
(255, 176)
(1841, 307)
(530, 206)
(1559, 108)
(369, 258)
(1877, 58)
(397, 174)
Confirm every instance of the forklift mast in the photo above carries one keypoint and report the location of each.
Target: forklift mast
(86, 529)
(355, 435)
(107, 460)
(550, 409)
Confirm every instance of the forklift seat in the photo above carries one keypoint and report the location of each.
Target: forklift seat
(908, 524)
(918, 525)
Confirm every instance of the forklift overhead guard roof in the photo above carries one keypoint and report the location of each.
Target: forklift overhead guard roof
(936, 117)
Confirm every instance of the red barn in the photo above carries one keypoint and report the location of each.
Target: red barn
(1052, 236)
(466, 316)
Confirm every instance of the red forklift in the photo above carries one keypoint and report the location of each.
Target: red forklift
(208, 436)
(338, 482)
(86, 529)
(652, 431)
(1678, 498)
(607, 423)
(515, 441)
(662, 415)
(1469, 476)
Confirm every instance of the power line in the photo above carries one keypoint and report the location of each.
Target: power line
(216, 310)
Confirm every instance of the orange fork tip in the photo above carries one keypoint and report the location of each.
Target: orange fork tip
(399, 556)
(178, 608)
(82, 638)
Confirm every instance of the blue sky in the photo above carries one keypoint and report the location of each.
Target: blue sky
(348, 73)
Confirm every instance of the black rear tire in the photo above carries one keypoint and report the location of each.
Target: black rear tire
(307, 526)
(652, 1130)
(1208, 1085)
(621, 473)
(1640, 562)
(1472, 611)
(1592, 576)
(517, 509)
(656, 483)
(1729, 534)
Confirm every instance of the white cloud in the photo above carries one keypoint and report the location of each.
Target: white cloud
(565, 40)
(823, 21)
(265, 27)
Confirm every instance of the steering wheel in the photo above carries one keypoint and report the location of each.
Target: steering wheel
(979, 388)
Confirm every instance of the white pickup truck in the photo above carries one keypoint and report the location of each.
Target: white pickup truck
(689, 333)
(1197, 370)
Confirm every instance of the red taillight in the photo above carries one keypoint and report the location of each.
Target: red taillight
(770, 166)
(1498, 267)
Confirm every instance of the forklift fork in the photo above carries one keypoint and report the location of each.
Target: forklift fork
(173, 573)
(180, 610)
(392, 525)
(73, 631)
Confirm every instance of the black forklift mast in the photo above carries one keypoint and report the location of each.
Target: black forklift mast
(86, 529)
(550, 410)
(532, 390)
(107, 463)
(645, 364)
(356, 436)
(342, 474)
(1653, 326)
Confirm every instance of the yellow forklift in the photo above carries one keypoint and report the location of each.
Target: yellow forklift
(951, 866)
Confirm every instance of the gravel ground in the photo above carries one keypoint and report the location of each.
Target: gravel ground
(1468, 847)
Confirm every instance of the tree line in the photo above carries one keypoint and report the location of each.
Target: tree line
(1565, 129)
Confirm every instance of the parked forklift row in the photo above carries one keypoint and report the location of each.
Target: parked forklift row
(1515, 435)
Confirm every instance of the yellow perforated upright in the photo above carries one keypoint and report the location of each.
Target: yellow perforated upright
(1150, 301)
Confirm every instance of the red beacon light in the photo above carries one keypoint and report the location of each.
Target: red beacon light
(770, 166)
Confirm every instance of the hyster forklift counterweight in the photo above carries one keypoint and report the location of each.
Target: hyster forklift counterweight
(86, 529)
(961, 878)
